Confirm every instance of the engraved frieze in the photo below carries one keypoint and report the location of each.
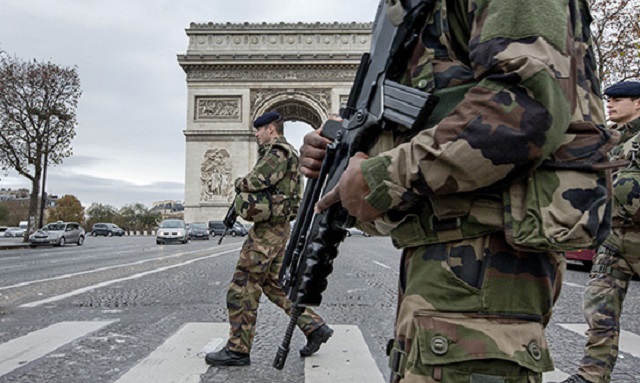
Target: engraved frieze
(213, 108)
(282, 37)
(270, 73)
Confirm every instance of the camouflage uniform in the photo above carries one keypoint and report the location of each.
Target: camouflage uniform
(614, 265)
(262, 253)
(512, 77)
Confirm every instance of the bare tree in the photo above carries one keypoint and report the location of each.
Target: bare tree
(616, 37)
(37, 118)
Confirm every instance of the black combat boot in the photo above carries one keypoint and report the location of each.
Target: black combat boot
(574, 379)
(226, 357)
(315, 340)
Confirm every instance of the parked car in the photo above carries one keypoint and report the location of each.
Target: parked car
(14, 232)
(584, 256)
(106, 229)
(198, 230)
(217, 228)
(172, 230)
(239, 229)
(58, 234)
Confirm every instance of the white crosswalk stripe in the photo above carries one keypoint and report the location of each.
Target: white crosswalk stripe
(346, 358)
(554, 376)
(20, 351)
(629, 342)
(179, 359)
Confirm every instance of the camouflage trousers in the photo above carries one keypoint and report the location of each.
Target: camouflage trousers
(257, 272)
(474, 310)
(613, 267)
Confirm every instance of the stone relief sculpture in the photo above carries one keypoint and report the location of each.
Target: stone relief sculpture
(215, 175)
(211, 108)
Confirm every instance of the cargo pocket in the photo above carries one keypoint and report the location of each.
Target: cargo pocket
(452, 347)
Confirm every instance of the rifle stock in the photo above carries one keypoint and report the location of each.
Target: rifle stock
(376, 102)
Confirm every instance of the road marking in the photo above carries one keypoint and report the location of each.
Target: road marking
(554, 376)
(20, 351)
(629, 342)
(180, 358)
(381, 264)
(345, 358)
(573, 285)
(22, 284)
(113, 281)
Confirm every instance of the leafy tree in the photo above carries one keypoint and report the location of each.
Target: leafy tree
(616, 37)
(150, 219)
(16, 211)
(4, 213)
(37, 117)
(68, 208)
(101, 213)
(138, 217)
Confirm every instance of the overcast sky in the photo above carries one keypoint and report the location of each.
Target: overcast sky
(130, 145)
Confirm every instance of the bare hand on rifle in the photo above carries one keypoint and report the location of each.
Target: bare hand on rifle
(350, 192)
(312, 153)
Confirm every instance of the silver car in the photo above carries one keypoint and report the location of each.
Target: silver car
(172, 230)
(58, 234)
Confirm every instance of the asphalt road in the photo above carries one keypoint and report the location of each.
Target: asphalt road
(123, 309)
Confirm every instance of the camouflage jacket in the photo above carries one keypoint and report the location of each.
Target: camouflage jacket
(627, 132)
(526, 72)
(276, 171)
(626, 188)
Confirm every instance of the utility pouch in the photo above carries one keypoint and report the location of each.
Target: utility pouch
(465, 347)
(254, 207)
(626, 189)
(566, 204)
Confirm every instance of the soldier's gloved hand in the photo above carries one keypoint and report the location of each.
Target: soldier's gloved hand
(312, 153)
(350, 191)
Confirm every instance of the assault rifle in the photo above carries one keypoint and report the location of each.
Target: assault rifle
(376, 102)
(229, 220)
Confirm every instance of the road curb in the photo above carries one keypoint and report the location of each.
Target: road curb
(13, 247)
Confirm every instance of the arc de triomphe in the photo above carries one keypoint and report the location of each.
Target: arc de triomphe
(236, 72)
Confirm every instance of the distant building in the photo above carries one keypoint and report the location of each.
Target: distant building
(169, 209)
(7, 194)
(17, 201)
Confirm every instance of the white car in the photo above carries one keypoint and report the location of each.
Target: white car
(172, 230)
(14, 232)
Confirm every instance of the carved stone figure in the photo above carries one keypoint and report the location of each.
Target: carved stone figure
(215, 175)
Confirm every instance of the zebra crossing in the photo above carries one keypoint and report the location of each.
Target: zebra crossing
(345, 359)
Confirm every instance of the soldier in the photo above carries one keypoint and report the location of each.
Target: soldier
(514, 79)
(619, 257)
(258, 267)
